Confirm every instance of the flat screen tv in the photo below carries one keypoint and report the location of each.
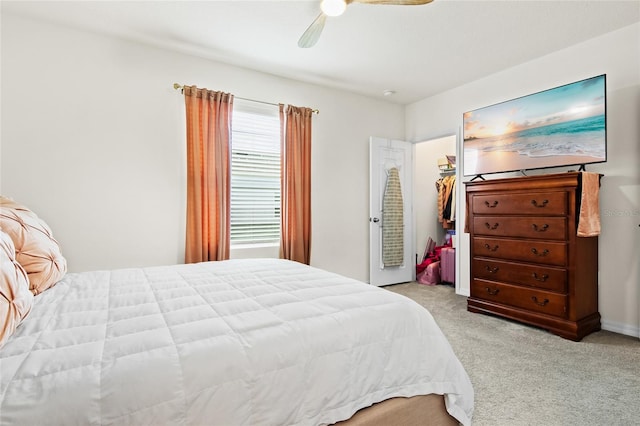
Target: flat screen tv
(563, 126)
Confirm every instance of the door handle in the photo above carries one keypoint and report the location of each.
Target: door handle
(374, 220)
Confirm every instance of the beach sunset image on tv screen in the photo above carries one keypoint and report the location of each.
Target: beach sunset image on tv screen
(562, 126)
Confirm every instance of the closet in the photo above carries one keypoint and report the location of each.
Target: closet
(426, 205)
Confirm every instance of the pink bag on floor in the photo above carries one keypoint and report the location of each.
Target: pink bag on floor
(431, 275)
(448, 265)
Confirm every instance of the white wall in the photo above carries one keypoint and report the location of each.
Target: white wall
(93, 141)
(616, 54)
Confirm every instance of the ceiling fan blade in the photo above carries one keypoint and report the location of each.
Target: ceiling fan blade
(312, 34)
(396, 2)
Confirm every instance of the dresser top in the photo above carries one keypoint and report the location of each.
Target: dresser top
(547, 181)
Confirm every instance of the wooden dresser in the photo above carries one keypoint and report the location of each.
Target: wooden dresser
(527, 263)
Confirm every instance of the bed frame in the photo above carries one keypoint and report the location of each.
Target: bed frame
(421, 410)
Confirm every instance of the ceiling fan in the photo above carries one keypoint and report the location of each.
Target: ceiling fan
(336, 8)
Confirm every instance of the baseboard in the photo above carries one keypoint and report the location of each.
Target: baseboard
(620, 328)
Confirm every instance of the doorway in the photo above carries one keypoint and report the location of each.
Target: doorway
(425, 199)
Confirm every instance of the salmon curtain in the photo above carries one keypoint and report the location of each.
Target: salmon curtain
(208, 174)
(295, 134)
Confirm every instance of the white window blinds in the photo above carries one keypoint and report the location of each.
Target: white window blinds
(255, 173)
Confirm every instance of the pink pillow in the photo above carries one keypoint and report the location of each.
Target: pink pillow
(15, 298)
(35, 249)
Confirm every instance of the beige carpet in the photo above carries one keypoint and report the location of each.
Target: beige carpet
(527, 376)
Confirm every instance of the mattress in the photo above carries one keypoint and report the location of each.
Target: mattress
(237, 342)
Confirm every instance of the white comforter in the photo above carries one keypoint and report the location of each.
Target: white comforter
(261, 342)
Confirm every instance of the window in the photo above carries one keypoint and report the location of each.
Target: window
(255, 174)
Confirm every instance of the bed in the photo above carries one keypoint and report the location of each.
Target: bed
(260, 341)
(237, 342)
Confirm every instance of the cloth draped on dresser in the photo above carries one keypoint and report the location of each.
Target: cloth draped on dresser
(393, 221)
(589, 218)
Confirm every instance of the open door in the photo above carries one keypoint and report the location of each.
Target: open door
(391, 249)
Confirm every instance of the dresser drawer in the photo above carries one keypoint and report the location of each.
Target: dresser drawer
(549, 278)
(546, 228)
(538, 203)
(544, 252)
(521, 297)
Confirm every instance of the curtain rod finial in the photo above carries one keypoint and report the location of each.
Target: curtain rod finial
(177, 86)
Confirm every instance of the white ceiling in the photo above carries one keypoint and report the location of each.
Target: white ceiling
(416, 51)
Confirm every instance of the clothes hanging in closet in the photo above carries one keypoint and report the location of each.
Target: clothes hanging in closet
(446, 187)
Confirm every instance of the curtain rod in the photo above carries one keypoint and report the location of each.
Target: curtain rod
(177, 86)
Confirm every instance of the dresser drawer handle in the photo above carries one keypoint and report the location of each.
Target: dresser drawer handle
(540, 228)
(543, 204)
(488, 247)
(491, 205)
(535, 300)
(541, 278)
(541, 254)
(488, 225)
(491, 270)
(493, 292)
